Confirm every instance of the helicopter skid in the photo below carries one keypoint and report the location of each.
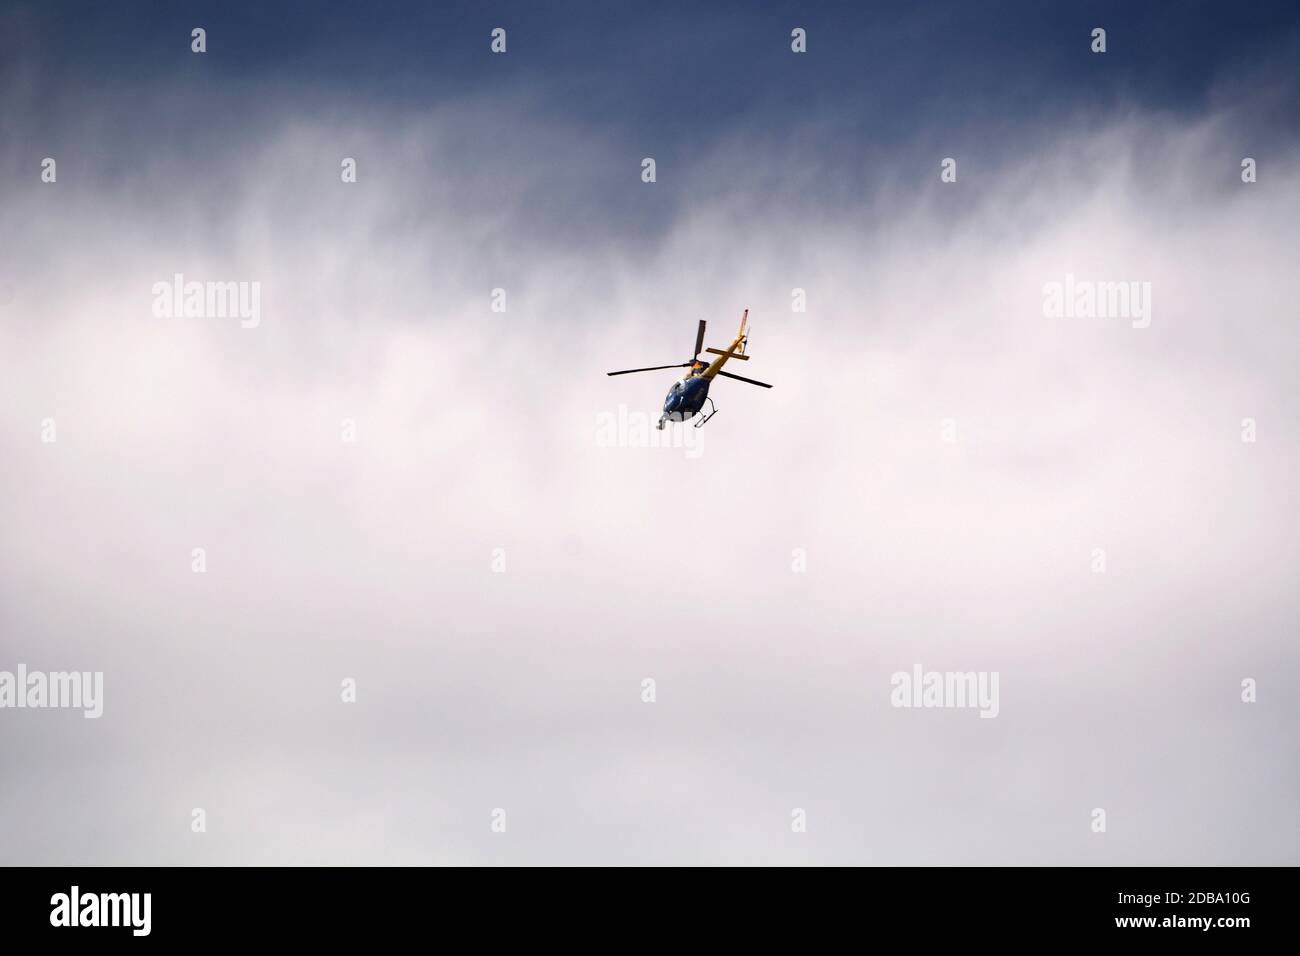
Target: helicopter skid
(704, 419)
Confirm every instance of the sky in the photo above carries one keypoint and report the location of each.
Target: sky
(450, 513)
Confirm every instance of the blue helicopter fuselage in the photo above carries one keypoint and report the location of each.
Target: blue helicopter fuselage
(686, 398)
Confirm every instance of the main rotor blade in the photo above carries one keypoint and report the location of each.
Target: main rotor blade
(699, 339)
(653, 368)
(741, 378)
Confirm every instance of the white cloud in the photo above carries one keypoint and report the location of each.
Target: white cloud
(477, 430)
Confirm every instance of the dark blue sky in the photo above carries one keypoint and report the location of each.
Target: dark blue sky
(885, 90)
(680, 71)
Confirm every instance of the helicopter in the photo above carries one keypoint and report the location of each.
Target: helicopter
(686, 398)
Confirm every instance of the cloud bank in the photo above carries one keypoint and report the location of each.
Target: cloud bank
(946, 457)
